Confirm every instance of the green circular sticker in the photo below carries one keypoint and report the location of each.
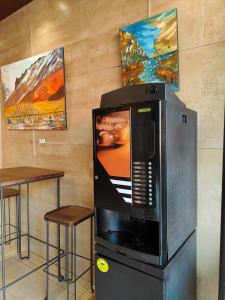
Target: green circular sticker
(102, 265)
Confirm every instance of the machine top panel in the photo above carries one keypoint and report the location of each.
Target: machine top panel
(140, 93)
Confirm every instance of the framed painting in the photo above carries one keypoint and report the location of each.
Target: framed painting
(149, 51)
(34, 92)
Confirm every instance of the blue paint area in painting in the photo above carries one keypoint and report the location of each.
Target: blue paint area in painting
(149, 74)
(145, 34)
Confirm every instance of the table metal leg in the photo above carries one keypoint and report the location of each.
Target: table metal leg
(28, 224)
(74, 262)
(67, 228)
(3, 241)
(19, 222)
(47, 260)
(91, 254)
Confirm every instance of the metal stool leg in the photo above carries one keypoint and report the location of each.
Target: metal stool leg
(47, 260)
(74, 262)
(9, 207)
(91, 254)
(9, 223)
(28, 222)
(17, 223)
(3, 241)
(67, 261)
(71, 256)
(8, 237)
(60, 277)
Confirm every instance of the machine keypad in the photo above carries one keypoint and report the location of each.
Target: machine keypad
(143, 193)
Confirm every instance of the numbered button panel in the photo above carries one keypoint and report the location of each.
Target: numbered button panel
(143, 188)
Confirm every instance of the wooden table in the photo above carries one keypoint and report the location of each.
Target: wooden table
(16, 177)
(20, 175)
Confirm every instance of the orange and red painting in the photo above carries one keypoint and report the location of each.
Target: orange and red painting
(34, 92)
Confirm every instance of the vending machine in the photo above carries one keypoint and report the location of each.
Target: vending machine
(145, 180)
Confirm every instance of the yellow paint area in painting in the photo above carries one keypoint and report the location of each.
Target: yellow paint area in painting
(102, 265)
(39, 107)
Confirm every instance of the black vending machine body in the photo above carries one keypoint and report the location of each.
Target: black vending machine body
(144, 172)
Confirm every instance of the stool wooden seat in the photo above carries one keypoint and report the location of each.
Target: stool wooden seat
(8, 193)
(70, 215)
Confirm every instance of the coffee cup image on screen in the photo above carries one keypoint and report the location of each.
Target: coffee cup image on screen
(113, 142)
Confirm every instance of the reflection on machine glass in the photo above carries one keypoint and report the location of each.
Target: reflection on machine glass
(113, 142)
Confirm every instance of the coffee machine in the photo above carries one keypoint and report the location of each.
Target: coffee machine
(145, 186)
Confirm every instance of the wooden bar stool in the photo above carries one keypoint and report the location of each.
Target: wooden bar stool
(8, 194)
(69, 216)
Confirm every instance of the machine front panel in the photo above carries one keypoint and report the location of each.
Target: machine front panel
(126, 156)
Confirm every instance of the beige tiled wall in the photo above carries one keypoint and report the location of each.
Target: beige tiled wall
(88, 30)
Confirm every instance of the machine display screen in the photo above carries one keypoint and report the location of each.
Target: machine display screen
(113, 142)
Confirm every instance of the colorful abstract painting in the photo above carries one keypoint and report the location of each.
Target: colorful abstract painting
(34, 92)
(149, 51)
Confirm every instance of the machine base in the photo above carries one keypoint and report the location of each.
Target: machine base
(129, 279)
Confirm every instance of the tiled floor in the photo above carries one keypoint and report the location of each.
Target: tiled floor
(33, 286)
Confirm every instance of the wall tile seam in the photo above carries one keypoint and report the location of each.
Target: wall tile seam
(116, 66)
(119, 65)
(70, 43)
(201, 46)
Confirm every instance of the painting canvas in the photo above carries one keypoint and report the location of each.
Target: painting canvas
(149, 51)
(34, 92)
